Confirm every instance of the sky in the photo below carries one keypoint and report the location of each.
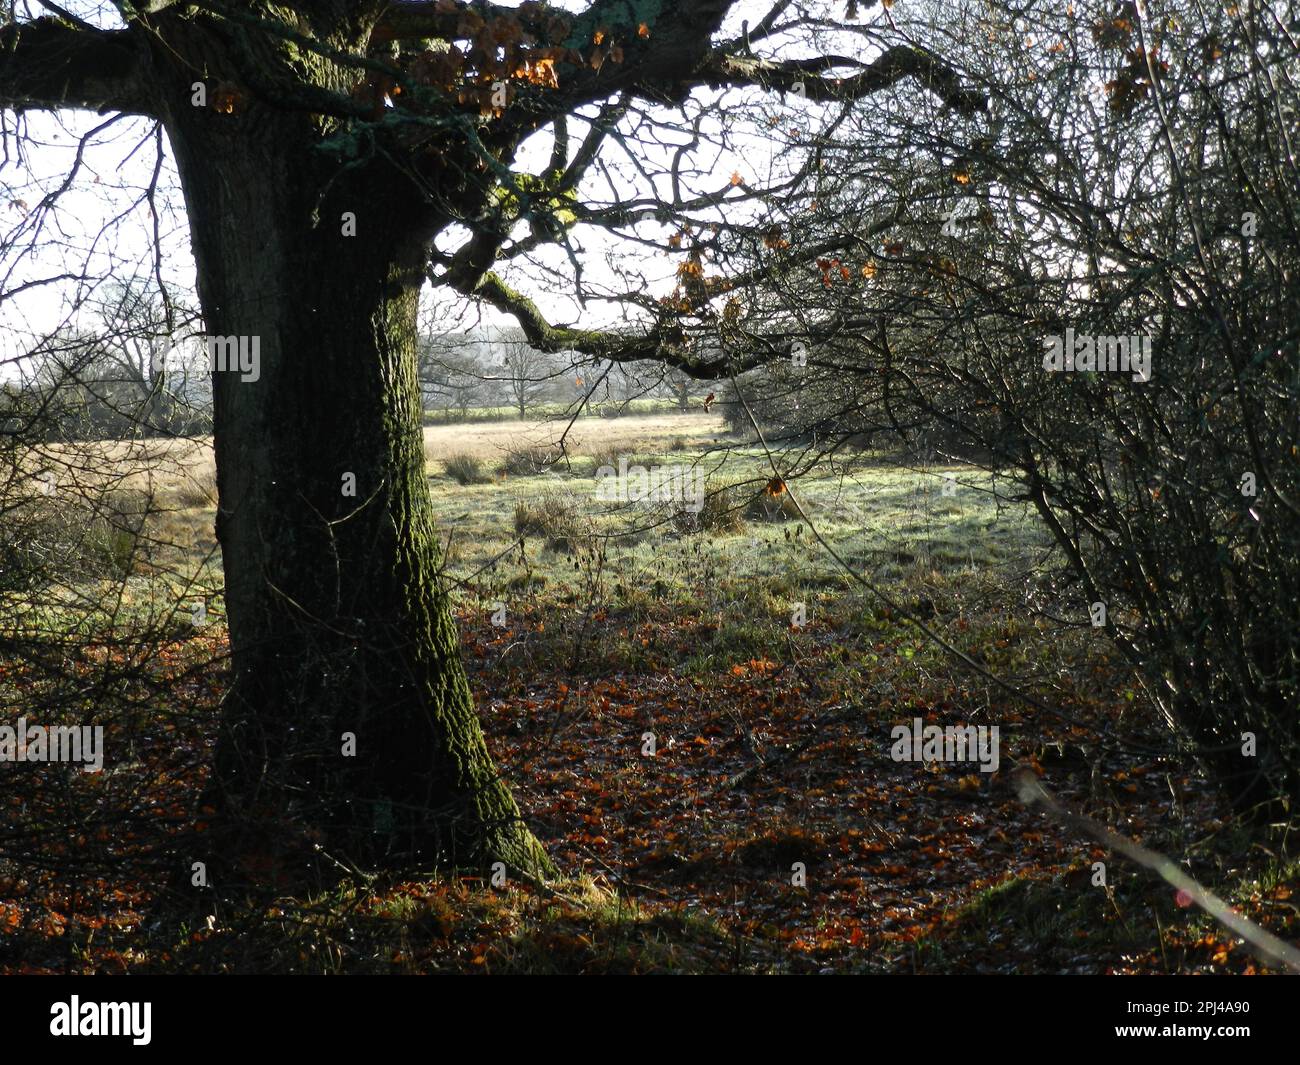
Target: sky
(103, 226)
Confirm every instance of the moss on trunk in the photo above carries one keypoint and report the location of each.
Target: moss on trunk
(350, 721)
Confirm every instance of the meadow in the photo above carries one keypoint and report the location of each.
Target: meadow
(694, 708)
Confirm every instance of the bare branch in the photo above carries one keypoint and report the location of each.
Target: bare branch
(895, 64)
(665, 341)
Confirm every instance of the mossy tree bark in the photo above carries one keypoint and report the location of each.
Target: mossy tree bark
(338, 625)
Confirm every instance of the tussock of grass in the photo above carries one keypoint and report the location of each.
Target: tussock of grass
(721, 513)
(767, 506)
(197, 491)
(528, 460)
(466, 469)
(554, 517)
(602, 457)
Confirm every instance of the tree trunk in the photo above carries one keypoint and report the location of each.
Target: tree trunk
(350, 718)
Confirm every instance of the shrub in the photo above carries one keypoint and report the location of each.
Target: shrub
(66, 537)
(112, 536)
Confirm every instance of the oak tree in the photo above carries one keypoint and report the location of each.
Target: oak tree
(335, 156)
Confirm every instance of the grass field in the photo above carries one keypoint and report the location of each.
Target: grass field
(607, 410)
(695, 711)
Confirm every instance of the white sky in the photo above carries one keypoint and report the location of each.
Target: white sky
(102, 226)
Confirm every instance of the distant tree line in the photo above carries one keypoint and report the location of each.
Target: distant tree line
(469, 370)
(133, 376)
